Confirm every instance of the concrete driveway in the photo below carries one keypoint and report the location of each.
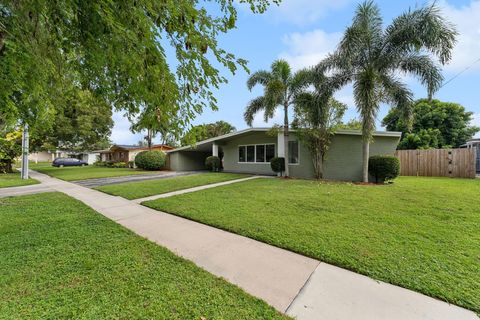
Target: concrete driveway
(92, 183)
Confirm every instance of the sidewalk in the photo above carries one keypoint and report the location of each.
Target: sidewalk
(302, 287)
(24, 190)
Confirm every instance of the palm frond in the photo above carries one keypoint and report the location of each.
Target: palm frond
(397, 93)
(260, 77)
(367, 98)
(281, 70)
(425, 69)
(422, 28)
(254, 106)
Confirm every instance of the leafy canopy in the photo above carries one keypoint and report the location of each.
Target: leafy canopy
(117, 50)
(207, 131)
(436, 124)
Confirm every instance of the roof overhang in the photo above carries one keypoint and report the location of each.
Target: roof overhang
(206, 145)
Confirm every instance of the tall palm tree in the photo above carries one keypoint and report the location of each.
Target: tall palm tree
(280, 87)
(373, 58)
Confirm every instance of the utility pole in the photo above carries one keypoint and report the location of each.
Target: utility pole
(24, 174)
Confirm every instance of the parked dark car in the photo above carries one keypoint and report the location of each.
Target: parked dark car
(68, 162)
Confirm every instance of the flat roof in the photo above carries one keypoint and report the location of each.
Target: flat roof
(263, 129)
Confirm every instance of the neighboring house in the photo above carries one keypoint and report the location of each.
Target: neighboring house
(47, 156)
(251, 150)
(126, 153)
(88, 156)
(474, 143)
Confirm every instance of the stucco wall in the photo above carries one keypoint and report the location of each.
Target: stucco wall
(187, 160)
(344, 158)
(230, 154)
(343, 162)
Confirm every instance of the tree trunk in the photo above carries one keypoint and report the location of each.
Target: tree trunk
(366, 155)
(149, 139)
(285, 139)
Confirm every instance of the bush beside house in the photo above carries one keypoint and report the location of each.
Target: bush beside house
(278, 165)
(384, 168)
(150, 160)
(213, 163)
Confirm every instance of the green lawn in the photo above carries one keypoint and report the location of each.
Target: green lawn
(141, 189)
(62, 260)
(81, 173)
(419, 233)
(13, 180)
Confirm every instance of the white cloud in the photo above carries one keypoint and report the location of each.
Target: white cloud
(121, 133)
(467, 50)
(258, 120)
(302, 12)
(308, 49)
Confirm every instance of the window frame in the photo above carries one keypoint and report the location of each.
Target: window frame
(255, 152)
(298, 153)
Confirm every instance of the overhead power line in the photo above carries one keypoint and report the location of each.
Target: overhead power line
(458, 74)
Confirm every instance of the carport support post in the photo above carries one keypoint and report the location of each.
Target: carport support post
(215, 149)
(280, 146)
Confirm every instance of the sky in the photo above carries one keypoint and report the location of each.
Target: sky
(305, 31)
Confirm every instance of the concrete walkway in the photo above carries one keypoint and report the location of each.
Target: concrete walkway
(208, 186)
(97, 182)
(302, 287)
(24, 190)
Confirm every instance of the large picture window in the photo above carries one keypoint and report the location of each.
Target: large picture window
(256, 153)
(293, 152)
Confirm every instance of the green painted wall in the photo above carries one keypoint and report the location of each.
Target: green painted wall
(230, 154)
(344, 158)
(343, 162)
(187, 160)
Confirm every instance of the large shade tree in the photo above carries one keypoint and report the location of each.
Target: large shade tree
(280, 85)
(373, 58)
(117, 50)
(436, 124)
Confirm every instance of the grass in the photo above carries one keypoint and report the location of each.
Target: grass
(419, 233)
(141, 189)
(62, 260)
(81, 173)
(14, 180)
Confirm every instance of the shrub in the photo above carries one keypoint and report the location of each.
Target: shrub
(119, 165)
(99, 163)
(130, 164)
(278, 164)
(213, 163)
(383, 168)
(150, 160)
(109, 163)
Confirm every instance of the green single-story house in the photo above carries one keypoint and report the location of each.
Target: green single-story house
(250, 151)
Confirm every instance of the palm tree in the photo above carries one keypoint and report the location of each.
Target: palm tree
(280, 87)
(317, 116)
(373, 58)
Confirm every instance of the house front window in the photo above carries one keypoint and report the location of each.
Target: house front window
(256, 153)
(293, 152)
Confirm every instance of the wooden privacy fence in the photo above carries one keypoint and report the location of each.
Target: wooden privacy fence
(454, 163)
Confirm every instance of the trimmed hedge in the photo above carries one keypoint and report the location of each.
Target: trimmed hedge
(213, 163)
(383, 168)
(278, 164)
(150, 160)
